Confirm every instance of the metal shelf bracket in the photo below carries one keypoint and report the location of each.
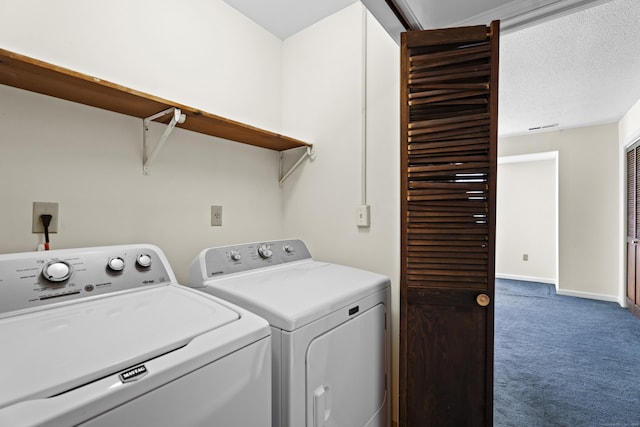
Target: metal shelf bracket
(150, 153)
(308, 153)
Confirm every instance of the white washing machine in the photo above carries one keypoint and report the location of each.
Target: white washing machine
(329, 325)
(106, 337)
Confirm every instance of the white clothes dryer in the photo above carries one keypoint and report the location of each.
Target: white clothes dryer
(329, 325)
(106, 337)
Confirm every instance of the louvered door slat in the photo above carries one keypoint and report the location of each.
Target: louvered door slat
(449, 98)
(431, 124)
(452, 135)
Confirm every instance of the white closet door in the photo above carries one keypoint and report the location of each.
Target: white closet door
(346, 377)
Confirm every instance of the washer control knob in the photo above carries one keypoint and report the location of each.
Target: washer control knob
(235, 255)
(143, 260)
(264, 251)
(56, 271)
(115, 264)
(288, 249)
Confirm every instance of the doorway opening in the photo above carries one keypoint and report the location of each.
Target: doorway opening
(527, 218)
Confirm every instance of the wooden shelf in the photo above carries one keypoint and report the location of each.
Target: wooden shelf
(36, 76)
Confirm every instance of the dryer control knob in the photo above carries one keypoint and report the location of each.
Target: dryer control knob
(115, 264)
(288, 249)
(235, 255)
(143, 260)
(56, 271)
(264, 251)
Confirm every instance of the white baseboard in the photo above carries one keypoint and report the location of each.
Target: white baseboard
(588, 295)
(526, 278)
(560, 291)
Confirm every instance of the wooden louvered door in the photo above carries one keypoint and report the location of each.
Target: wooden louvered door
(633, 230)
(449, 161)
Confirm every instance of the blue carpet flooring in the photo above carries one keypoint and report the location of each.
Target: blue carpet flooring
(563, 361)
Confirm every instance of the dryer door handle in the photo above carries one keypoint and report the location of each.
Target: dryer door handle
(321, 406)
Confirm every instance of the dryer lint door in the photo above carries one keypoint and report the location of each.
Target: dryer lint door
(346, 370)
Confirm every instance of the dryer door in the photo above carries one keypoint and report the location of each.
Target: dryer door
(346, 373)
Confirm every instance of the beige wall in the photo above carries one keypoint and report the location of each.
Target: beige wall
(323, 99)
(527, 218)
(589, 213)
(201, 53)
(90, 162)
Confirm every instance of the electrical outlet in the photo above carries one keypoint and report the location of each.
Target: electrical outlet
(42, 208)
(362, 216)
(525, 257)
(216, 216)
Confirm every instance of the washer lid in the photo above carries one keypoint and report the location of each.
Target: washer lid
(50, 351)
(294, 295)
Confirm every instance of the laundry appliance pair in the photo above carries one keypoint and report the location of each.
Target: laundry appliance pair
(106, 336)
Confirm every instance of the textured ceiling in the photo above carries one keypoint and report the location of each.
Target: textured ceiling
(576, 70)
(573, 68)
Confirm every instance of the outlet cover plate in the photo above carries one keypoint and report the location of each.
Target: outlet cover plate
(41, 208)
(216, 216)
